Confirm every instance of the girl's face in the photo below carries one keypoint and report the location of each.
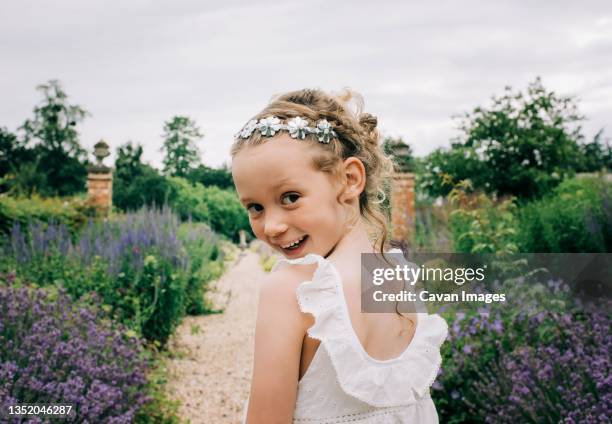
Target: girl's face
(287, 199)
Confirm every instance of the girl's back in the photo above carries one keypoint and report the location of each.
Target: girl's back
(359, 367)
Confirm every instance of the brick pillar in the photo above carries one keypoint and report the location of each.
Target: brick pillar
(100, 190)
(100, 180)
(402, 206)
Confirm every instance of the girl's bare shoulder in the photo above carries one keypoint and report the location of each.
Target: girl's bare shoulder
(278, 290)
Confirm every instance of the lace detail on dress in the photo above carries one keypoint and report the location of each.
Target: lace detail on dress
(400, 381)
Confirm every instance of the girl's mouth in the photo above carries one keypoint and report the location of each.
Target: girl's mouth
(296, 248)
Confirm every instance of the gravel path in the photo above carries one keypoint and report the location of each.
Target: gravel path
(211, 371)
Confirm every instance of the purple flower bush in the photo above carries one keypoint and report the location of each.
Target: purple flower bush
(568, 381)
(52, 351)
(138, 265)
(541, 364)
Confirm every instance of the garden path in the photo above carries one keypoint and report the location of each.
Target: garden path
(211, 370)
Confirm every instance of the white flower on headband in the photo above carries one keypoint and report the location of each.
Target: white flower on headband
(324, 131)
(297, 127)
(269, 126)
(248, 128)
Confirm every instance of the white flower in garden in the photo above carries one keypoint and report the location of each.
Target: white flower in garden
(269, 126)
(324, 131)
(538, 157)
(248, 128)
(297, 127)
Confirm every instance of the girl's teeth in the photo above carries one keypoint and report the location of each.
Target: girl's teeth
(294, 243)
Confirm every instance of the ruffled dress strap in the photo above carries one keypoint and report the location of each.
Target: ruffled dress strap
(395, 382)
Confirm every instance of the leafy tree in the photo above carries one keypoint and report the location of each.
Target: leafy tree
(128, 164)
(135, 183)
(220, 177)
(17, 165)
(180, 149)
(596, 155)
(59, 155)
(8, 150)
(524, 144)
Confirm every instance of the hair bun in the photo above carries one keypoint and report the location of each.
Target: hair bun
(369, 122)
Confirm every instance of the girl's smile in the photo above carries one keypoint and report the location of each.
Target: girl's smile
(291, 205)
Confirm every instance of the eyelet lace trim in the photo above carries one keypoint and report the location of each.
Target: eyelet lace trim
(400, 381)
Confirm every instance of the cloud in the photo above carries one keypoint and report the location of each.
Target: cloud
(136, 64)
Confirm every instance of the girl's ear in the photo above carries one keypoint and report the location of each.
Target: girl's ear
(354, 177)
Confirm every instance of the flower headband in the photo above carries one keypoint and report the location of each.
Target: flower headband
(297, 127)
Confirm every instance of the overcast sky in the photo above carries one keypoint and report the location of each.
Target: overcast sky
(135, 64)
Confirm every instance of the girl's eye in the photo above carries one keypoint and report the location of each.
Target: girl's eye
(290, 198)
(254, 208)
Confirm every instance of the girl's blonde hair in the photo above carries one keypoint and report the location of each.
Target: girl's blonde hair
(357, 136)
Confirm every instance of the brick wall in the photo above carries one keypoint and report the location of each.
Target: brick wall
(402, 206)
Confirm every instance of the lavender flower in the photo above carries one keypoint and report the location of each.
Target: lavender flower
(53, 351)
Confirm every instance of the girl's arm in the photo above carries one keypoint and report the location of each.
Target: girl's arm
(279, 333)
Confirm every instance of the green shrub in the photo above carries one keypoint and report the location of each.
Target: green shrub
(220, 209)
(71, 211)
(575, 217)
(145, 188)
(479, 225)
(205, 263)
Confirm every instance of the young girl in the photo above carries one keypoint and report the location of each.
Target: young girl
(308, 169)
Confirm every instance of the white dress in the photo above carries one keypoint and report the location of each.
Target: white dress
(343, 384)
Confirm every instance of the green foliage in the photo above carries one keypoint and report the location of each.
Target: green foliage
(60, 164)
(160, 409)
(479, 225)
(596, 156)
(165, 299)
(136, 184)
(189, 200)
(523, 145)
(8, 145)
(575, 217)
(205, 264)
(227, 215)
(220, 209)
(181, 152)
(221, 177)
(458, 163)
(71, 211)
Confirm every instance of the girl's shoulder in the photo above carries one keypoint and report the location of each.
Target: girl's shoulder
(278, 290)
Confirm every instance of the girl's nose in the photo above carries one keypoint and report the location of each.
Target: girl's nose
(274, 226)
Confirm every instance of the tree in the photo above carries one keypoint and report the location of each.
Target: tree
(52, 130)
(596, 155)
(524, 144)
(180, 149)
(8, 150)
(135, 183)
(128, 164)
(220, 177)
